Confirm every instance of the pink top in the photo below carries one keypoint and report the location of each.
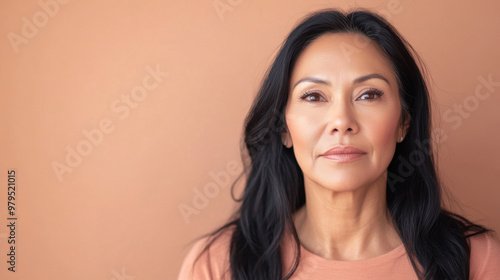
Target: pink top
(484, 262)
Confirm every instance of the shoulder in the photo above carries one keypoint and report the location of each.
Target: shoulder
(212, 263)
(484, 257)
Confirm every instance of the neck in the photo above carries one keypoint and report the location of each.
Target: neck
(348, 225)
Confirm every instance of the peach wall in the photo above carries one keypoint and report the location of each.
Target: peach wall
(139, 105)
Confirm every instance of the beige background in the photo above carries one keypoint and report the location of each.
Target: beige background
(67, 69)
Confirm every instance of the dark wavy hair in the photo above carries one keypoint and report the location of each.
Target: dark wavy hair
(433, 237)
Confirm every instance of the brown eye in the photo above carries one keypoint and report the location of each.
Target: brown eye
(312, 97)
(371, 94)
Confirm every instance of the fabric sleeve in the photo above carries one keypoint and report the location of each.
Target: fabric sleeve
(485, 258)
(212, 264)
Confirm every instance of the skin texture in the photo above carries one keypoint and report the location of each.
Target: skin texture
(345, 216)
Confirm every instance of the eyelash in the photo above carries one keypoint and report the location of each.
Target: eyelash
(377, 93)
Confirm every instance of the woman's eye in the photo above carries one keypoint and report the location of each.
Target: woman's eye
(312, 97)
(371, 94)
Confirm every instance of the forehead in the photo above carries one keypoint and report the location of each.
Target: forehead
(338, 56)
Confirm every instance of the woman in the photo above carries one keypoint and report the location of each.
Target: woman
(327, 196)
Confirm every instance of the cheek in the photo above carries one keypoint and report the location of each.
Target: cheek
(305, 131)
(382, 133)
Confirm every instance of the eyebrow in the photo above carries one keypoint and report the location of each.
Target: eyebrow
(356, 81)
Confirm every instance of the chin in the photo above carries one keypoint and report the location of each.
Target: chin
(344, 182)
(342, 186)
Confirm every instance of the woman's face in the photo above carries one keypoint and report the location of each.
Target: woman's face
(343, 92)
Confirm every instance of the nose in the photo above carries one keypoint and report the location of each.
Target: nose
(342, 119)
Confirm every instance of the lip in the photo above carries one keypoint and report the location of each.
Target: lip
(343, 153)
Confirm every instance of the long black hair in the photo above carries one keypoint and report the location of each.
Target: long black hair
(433, 237)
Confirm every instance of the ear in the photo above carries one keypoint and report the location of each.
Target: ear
(286, 139)
(403, 129)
